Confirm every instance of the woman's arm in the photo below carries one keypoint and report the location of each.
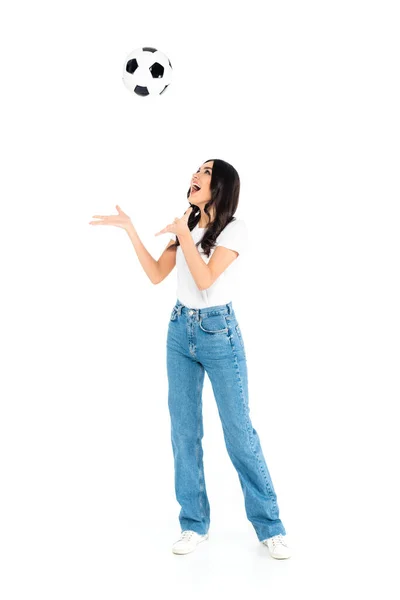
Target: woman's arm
(205, 274)
(156, 270)
(166, 262)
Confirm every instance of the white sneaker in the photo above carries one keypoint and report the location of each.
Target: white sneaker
(277, 546)
(188, 541)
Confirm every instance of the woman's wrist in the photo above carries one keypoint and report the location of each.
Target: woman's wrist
(130, 228)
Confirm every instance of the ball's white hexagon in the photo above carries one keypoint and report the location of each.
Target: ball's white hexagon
(147, 72)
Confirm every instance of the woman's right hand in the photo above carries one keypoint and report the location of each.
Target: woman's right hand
(120, 220)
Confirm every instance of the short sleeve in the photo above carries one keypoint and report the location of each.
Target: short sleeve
(234, 236)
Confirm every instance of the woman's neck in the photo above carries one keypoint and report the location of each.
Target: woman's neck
(205, 223)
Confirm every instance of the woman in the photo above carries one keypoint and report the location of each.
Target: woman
(204, 335)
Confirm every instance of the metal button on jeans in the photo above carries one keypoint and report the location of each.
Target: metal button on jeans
(190, 312)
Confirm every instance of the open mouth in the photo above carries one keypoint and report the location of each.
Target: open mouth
(195, 188)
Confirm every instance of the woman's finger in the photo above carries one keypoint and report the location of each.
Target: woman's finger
(106, 217)
(112, 218)
(109, 221)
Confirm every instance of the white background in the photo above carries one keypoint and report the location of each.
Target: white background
(302, 98)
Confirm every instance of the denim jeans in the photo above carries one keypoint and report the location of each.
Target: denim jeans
(209, 339)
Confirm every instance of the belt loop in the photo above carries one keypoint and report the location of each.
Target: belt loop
(229, 308)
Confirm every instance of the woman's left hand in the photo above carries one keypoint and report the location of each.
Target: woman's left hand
(179, 226)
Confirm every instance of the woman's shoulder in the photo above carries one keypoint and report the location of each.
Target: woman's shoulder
(237, 224)
(234, 235)
(236, 221)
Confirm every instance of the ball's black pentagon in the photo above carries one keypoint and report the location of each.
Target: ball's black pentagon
(164, 89)
(148, 49)
(141, 90)
(131, 66)
(156, 70)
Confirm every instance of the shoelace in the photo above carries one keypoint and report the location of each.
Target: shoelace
(187, 534)
(277, 539)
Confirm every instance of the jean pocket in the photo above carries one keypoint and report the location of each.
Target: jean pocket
(213, 324)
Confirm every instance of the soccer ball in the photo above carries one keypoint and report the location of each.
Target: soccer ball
(147, 72)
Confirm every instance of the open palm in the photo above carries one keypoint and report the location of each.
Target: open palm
(120, 220)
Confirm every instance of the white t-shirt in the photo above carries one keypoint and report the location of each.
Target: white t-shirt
(235, 237)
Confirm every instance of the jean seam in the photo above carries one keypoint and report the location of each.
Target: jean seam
(247, 423)
(202, 508)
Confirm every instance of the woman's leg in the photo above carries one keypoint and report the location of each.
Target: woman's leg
(223, 356)
(185, 385)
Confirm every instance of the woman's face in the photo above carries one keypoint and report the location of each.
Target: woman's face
(201, 178)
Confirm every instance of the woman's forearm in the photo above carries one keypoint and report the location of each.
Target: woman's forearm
(198, 268)
(149, 264)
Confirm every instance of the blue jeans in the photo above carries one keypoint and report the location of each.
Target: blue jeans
(209, 339)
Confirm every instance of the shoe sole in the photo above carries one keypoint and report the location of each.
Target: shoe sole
(188, 551)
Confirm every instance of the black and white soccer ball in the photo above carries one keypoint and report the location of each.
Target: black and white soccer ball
(147, 72)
